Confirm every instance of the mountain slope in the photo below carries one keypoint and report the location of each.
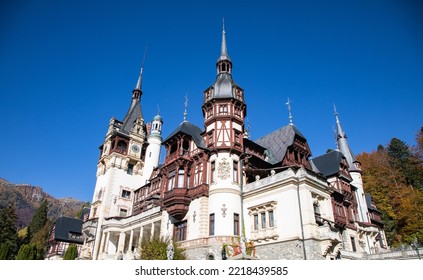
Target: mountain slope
(27, 198)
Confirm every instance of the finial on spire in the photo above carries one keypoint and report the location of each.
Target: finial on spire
(139, 82)
(288, 104)
(224, 50)
(335, 113)
(186, 107)
(158, 110)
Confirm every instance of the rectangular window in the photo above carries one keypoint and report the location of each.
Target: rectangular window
(236, 224)
(180, 178)
(354, 248)
(256, 222)
(126, 194)
(130, 169)
(235, 171)
(123, 212)
(271, 219)
(180, 231)
(170, 180)
(213, 169)
(211, 224)
(263, 220)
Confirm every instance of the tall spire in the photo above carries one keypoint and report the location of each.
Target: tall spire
(139, 82)
(134, 111)
(224, 50)
(343, 146)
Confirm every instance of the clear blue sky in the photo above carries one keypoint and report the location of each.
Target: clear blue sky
(67, 67)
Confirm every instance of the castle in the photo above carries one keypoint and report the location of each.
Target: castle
(223, 195)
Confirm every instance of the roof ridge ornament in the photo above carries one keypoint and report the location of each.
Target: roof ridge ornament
(186, 107)
(288, 104)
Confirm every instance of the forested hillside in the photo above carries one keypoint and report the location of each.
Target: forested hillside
(27, 215)
(26, 199)
(393, 175)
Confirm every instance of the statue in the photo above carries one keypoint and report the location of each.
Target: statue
(243, 249)
(170, 251)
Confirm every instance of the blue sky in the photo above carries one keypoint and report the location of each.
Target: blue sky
(67, 67)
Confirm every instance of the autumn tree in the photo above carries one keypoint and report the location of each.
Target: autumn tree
(392, 175)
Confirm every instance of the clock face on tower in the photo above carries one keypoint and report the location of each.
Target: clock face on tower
(135, 148)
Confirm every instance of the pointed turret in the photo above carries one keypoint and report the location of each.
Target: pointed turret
(344, 147)
(134, 111)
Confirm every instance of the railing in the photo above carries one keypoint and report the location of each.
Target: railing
(404, 254)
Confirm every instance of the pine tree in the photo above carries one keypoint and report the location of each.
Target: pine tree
(39, 219)
(39, 230)
(8, 233)
(401, 158)
(71, 253)
(27, 252)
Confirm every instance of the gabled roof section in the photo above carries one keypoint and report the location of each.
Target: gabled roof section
(68, 230)
(189, 129)
(329, 163)
(278, 141)
(132, 115)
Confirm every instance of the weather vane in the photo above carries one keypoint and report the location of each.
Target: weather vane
(289, 111)
(186, 106)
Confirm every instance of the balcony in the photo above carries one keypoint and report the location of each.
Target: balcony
(199, 191)
(177, 202)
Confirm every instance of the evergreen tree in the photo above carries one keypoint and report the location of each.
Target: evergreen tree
(8, 233)
(5, 251)
(39, 231)
(71, 253)
(401, 158)
(39, 219)
(27, 252)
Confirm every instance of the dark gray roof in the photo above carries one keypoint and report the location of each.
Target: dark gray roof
(329, 163)
(68, 230)
(343, 145)
(191, 130)
(222, 87)
(134, 112)
(277, 142)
